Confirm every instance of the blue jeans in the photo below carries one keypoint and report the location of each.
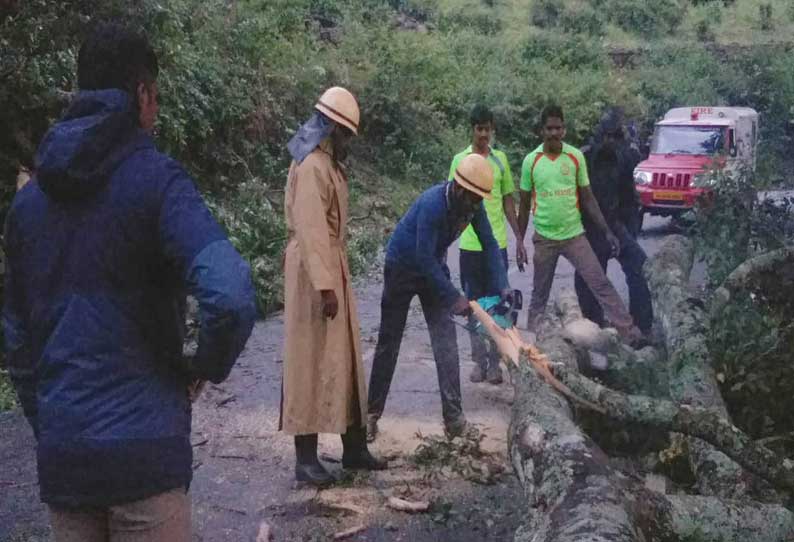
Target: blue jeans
(474, 282)
(631, 259)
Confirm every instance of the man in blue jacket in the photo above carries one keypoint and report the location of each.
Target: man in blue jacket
(416, 265)
(102, 245)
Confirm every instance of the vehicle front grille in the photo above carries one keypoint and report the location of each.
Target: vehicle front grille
(671, 180)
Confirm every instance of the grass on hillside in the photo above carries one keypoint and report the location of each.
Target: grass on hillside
(739, 23)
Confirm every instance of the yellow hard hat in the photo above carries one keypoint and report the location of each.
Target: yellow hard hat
(340, 106)
(475, 174)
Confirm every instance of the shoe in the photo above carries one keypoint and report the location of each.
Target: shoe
(456, 428)
(477, 374)
(356, 455)
(372, 428)
(314, 474)
(307, 467)
(494, 375)
(363, 460)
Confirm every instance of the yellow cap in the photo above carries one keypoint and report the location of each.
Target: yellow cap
(340, 105)
(475, 174)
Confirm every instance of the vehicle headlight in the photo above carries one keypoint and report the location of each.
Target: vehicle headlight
(642, 177)
(703, 180)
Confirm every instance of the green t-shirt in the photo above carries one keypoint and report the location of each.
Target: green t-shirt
(502, 186)
(555, 184)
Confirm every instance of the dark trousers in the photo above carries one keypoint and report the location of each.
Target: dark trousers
(474, 282)
(400, 285)
(631, 259)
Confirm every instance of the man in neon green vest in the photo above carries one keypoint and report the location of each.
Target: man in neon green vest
(555, 184)
(501, 211)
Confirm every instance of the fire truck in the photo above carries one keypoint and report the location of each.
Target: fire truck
(688, 143)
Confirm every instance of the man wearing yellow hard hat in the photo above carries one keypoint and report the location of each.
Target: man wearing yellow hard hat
(416, 266)
(323, 384)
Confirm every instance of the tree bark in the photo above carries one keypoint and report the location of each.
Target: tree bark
(572, 491)
(691, 378)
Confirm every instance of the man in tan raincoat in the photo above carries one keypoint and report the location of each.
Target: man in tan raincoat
(323, 388)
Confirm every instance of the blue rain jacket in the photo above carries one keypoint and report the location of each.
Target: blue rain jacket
(422, 237)
(102, 246)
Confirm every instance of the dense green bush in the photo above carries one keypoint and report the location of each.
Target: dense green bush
(724, 222)
(646, 18)
(251, 217)
(545, 13)
(571, 51)
(583, 19)
(751, 339)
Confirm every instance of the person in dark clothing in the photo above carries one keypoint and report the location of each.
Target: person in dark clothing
(103, 245)
(611, 161)
(416, 266)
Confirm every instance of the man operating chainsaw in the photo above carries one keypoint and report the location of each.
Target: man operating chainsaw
(416, 265)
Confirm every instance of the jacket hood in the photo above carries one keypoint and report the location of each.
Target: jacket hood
(80, 152)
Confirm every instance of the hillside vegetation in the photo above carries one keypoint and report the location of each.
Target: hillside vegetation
(238, 77)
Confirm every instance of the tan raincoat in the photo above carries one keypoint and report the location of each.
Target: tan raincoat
(323, 388)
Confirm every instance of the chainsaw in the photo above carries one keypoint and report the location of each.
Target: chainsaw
(504, 312)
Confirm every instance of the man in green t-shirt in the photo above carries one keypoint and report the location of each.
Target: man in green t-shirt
(554, 183)
(501, 211)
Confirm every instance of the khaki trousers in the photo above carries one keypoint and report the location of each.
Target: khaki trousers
(162, 518)
(577, 251)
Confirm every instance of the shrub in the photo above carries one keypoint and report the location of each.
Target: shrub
(724, 219)
(571, 51)
(765, 16)
(645, 18)
(583, 19)
(256, 228)
(545, 13)
(703, 31)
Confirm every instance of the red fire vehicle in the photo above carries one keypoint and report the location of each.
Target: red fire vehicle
(685, 144)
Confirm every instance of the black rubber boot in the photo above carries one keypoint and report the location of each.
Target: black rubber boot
(307, 467)
(356, 456)
(372, 427)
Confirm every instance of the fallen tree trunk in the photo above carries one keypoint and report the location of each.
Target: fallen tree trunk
(691, 377)
(574, 491)
(575, 494)
(710, 425)
(705, 424)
